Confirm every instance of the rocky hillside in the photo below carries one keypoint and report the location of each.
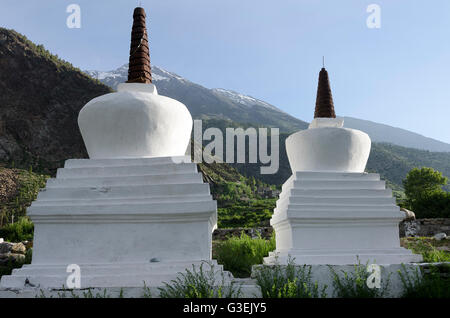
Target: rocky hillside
(40, 97)
(18, 188)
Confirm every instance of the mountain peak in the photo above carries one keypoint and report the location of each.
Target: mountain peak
(243, 99)
(220, 103)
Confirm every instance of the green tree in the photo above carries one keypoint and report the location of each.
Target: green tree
(424, 194)
(423, 181)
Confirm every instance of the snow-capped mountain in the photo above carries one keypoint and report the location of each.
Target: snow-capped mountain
(219, 103)
(243, 99)
(120, 75)
(115, 77)
(205, 103)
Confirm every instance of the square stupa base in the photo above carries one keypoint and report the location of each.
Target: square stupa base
(122, 221)
(337, 218)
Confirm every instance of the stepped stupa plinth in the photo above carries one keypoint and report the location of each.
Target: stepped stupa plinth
(330, 211)
(137, 211)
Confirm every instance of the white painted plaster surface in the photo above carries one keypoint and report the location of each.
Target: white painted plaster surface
(337, 218)
(113, 216)
(135, 122)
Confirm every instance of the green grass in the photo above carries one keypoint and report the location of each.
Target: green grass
(200, 283)
(19, 231)
(354, 284)
(240, 204)
(427, 247)
(239, 254)
(245, 214)
(288, 281)
(426, 285)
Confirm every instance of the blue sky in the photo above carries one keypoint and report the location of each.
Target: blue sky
(272, 50)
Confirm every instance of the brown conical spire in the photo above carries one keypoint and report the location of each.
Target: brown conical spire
(139, 70)
(324, 99)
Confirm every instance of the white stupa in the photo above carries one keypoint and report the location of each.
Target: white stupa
(137, 211)
(330, 211)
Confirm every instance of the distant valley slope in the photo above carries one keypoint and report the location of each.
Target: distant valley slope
(229, 105)
(204, 103)
(397, 136)
(394, 152)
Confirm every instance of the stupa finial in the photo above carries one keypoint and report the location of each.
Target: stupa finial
(139, 70)
(324, 99)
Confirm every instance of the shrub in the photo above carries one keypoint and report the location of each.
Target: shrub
(19, 231)
(429, 253)
(288, 281)
(245, 214)
(419, 181)
(432, 205)
(424, 194)
(428, 285)
(200, 284)
(28, 256)
(29, 184)
(354, 285)
(239, 254)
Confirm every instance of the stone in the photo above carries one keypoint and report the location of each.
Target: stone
(411, 228)
(28, 244)
(440, 236)
(5, 247)
(18, 248)
(17, 258)
(409, 215)
(6, 258)
(425, 227)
